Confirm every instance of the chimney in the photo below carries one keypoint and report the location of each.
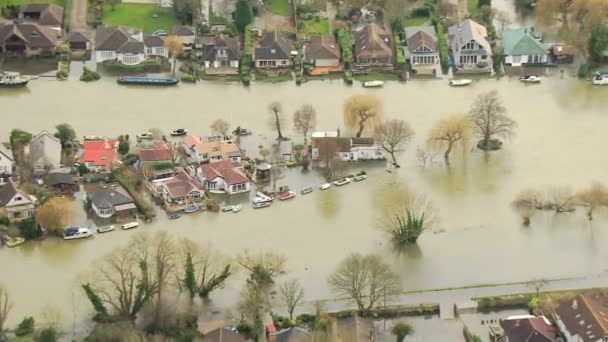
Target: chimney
(338, 132)
(574, 304)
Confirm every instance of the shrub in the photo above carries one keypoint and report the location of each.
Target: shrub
(212, 205)
(130, 158)
(89, 75)
(533, 305)
(47, 335)
(25, 327)
(4, 221)
(123, 147)
(443, 45)
(83, 169)
(583, 71)
(28, 229)
(400, 59)
(423, 11)
(62, 71)
(186, 77)
(401, 330)
(345, 40)
(162, 165)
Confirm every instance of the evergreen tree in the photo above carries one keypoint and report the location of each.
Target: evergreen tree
(243, 15)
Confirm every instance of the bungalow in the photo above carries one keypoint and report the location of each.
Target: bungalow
(187, 35)
(16, 204)
(107, 202)
(525, 328)
(99, 155)
(583, 318)
(223, 176)
(373, 47)
(523, 46)
(324, 54)
(421, 49)
(7, 164)
(121, 44)
(211, 151)
(78, 41)
(155, 46)
(180, 189)
(49, 15)
(27, 39)
(61, 183)
(221, 52)
(44, 152)
(347, 149)
(159, 153)
(274, 51)
(470, 48)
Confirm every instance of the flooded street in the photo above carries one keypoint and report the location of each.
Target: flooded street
(558, 141)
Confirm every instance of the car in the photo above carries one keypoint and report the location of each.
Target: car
(159, 33)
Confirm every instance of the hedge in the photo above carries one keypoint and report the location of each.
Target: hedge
(400, 61)
(89, 75)
(145, 66)
(345, 40)
(248, 46)
(443, 45)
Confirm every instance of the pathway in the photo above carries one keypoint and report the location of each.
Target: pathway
(78, 16)
(331, 10)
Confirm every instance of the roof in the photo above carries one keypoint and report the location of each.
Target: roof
(220, 42)
(132, 46)
(530, 329)
(154, 41)
(293, 335)
(117, 39)
(420, 39)
(273, 46)
(99, 152)
(355, 329)
(226, 170)
(77, 37)
(517, 42)
(585, 315)
(338, 144)
(8, 191)
(372, 41)
(362, 141)
(108, 198)
(159, 152)
(212, 148)
(36, 36)
(6, 152)
(60, 178)
(183, 31)
(49, 14)
(224, 335)
(463, 32)
(180, 185)
(322, 47)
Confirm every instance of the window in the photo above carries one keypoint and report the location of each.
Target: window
(205, 156)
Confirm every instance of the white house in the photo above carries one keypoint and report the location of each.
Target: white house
(16, 204)
(211, 151)
(470, 47)
(223, 177)
(6, 164)
(121, 44)
(221, 52)
(155, 47)
(44, 152)
(583, 318)
(347, 149)
(523, 46)
(421, 48)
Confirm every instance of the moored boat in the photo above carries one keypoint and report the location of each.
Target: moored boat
(261, 201)
(530, 78)
(76, 233)
(11, 79)
(174, 216)
(144, 136)
(373, 84)
(14, 242)
(236, 208)
(130, 225)
(227, 208)
(191, 209)
(325, 186)
(359, 178)
(342, 181)
(600, 78)
(307, 190)
(460, 82)
(179, 131)
(258, 205)
(287, 195)
(105, 229)
(142, 80)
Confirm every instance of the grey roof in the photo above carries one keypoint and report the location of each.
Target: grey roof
(48, 14)
(154, 41)
(273, 46)
(36, 36)
(6, 152)
(77, 37)
(221, 42)
(372, 41)
(293, 335)
(183, 31)
(108, 198)
(224, 335)
(8, 191)
(322, 47)
(60, 178)
(132, 46)
(463, 32)
(114, 38)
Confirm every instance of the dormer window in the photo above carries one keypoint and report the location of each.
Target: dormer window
(273, 51)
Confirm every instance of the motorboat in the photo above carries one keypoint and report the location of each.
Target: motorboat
(153, 81)
(373, 84)
(325, 186)
(227, 208)
(92, 137)
(179, 131)
(242, 131)
(291, 163)
(130, 225)
(236, 208)
(14, 242)
(258, 205)
(105, 229)
(359, 178)
(600, 78)
(307, 190)
(460, 82)
(529, 78)
(9, 79)
(287, 195)
(76, 233)
(145, 136)
(174, 216)
(191, 209)
(261, 201)
(342, 181)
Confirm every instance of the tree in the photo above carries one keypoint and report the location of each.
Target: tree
(598, 44)
(28, 229)
(328, 157)
(204, 270)
(489, 118)
(123, 147)
(525, 204)
(163, 253)
(55, 215)
(291, 294)
(365, 279)
(5, 309)
(174, 48)
(392, 136)
(113, 4)
(47, 335)
(18, 140)
(243, 15)
(361, 112)
(184, 10)
(276, 119)
(305, 120)
(220, 126)
(448, 133)
(401, 330)
(65, 133)
(594, 196)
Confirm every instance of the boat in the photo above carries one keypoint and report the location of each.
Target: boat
(291, 163)
(342, 181)
(227, 208)
(92, 137)
(359, 178)
(179, 131)
(373, 84)
(261, 201)
(460, 82)
(141, 80)
(130, 225)
(600, 78)
(307, 190)
(145, 136)
(76, 233)
(174, 216)
(258, 205)
(14, 242)
(9, 79)
(105, 229)
(325, 186)
(191, 209)
(287, 195)
(530, 79)
(236, 208)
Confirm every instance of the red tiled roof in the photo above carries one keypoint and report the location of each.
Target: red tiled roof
(181, 185)
(100, 152)
(158, 152)
(226, 170)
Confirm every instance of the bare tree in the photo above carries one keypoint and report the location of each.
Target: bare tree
(407, 216)
(594, 196)
(489, 118)
(174, 48)
(162, 248)
(55, 214)
(561, 198)
(361, 112)
(329, 158)
(5, 308)
(292, 294)
(448, 133)
(174, 152)
(305, 120)
(276, 119)
(277, 171)
(393, 136)
(220, 126)
(366, 280)
(525, 204)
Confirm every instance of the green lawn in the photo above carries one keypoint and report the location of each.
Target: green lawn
(415, 21)
(4, 3)
(472, 6)
(280, 7)
(140, 16)
(312, 26)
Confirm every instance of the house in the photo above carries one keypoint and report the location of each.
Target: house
(187, 35)
(159, 153)
(347, 149)
(27, 39)
(421, 48)
(211, 151)
(470, 48)
(354, 329)
(525, 328)
(107, 202)
(274, 51)
(49, 15)
(44, 152)
(78, 41)
(294, 334)
(121, 44)
(523, 46)
(221, 52)
(324, 54)
(224, 335)
(562, 53)
(155, 47)
(16, 204)
(584, 317)
(179, 189)
(99, 155)
(7, 163)
(373, 47)
(61, 183)
(223, 176)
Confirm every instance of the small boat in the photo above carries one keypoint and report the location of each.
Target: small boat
(530, 79)
(236, 208)
(291, 163)
(342, 181)
(191, 209)
(155, 81)
(242, 131)
(307, 190)
(261, 201)
(325, 186)
(174, 216)
(179, 131)
(145, 136)
(227, 208)
(373, 84)
(287, 195)
(259, 205)
(359, 178)
(600, 78)
(11, 79)
(14, 242)
(92, 137)
(460, 82)
(130, 225)
(105, 229)
(76, 233)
